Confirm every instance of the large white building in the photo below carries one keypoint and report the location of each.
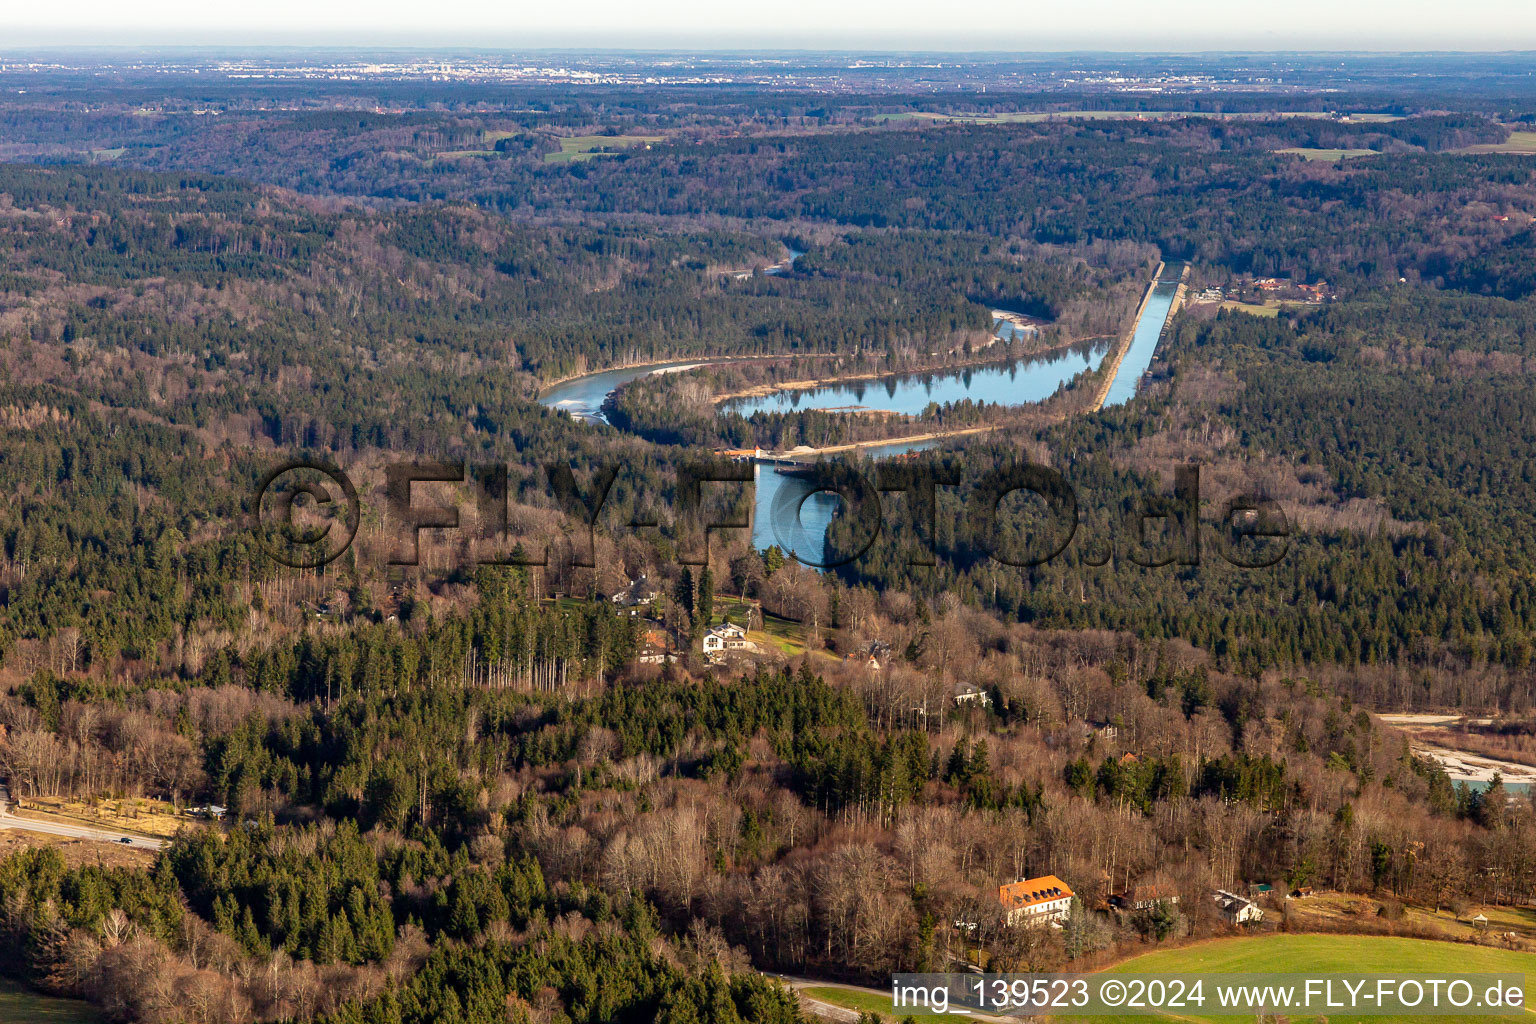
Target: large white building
(1032, 901)
(726, 637)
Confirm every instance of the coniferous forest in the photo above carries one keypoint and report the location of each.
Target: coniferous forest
(504, 780)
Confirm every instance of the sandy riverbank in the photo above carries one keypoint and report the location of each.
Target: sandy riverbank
(1425, 721)
(547, 386)
(1461, 765)
(1022, 321)
(1464, 767)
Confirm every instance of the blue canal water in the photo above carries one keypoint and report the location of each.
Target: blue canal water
(786, 266)
(804, 536)
(1143, 344)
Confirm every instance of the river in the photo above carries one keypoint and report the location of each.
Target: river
(1015, 383)
(583, 397)
(1476, 771)
(786, 264)
(1429, 735)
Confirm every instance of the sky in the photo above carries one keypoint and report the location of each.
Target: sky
(974, 25)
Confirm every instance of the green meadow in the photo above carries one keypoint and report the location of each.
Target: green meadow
(20, 1005)
(1329, 954)
(587, 147)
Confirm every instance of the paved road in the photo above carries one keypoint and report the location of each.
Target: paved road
(55, 827)
(816, 1006)
(826, 1010)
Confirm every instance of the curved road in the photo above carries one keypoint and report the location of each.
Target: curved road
(829, 1011)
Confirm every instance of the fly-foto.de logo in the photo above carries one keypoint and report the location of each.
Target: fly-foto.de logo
(1020, 514)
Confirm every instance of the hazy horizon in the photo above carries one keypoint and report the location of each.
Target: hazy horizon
(967, 26)
(418, 46)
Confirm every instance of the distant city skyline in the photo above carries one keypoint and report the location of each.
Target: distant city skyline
(961, 25)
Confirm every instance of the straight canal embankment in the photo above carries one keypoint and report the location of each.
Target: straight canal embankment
(1134, 353)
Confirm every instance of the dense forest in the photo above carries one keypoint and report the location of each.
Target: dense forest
(472, 791)
(1418, 558)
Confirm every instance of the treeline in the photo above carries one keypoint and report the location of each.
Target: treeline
(121, 937)
(1432, 133)
(1152, 183)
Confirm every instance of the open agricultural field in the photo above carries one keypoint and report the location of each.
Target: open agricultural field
(586, 147)
(1518, 142)
(1326, 154)
(1328, 954)
(1279, 954)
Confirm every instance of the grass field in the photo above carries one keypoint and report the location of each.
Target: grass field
(23, 1006)
(782, 634)
(1331, 155)
(1295, 954)
(1269, 307)
(490, 137)
(1518, 142)
(587, 147)
(141, 815)
(863, 1002)
(575, 147)
(787, 637)
(1333, 911)
(1331, 954)
(1251, 308)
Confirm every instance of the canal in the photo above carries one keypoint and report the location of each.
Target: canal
(1144, 338)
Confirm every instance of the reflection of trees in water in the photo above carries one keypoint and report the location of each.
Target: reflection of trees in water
(995, 382)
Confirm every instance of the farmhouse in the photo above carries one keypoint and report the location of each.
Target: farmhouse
(1032, 901)
(1237, 909)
